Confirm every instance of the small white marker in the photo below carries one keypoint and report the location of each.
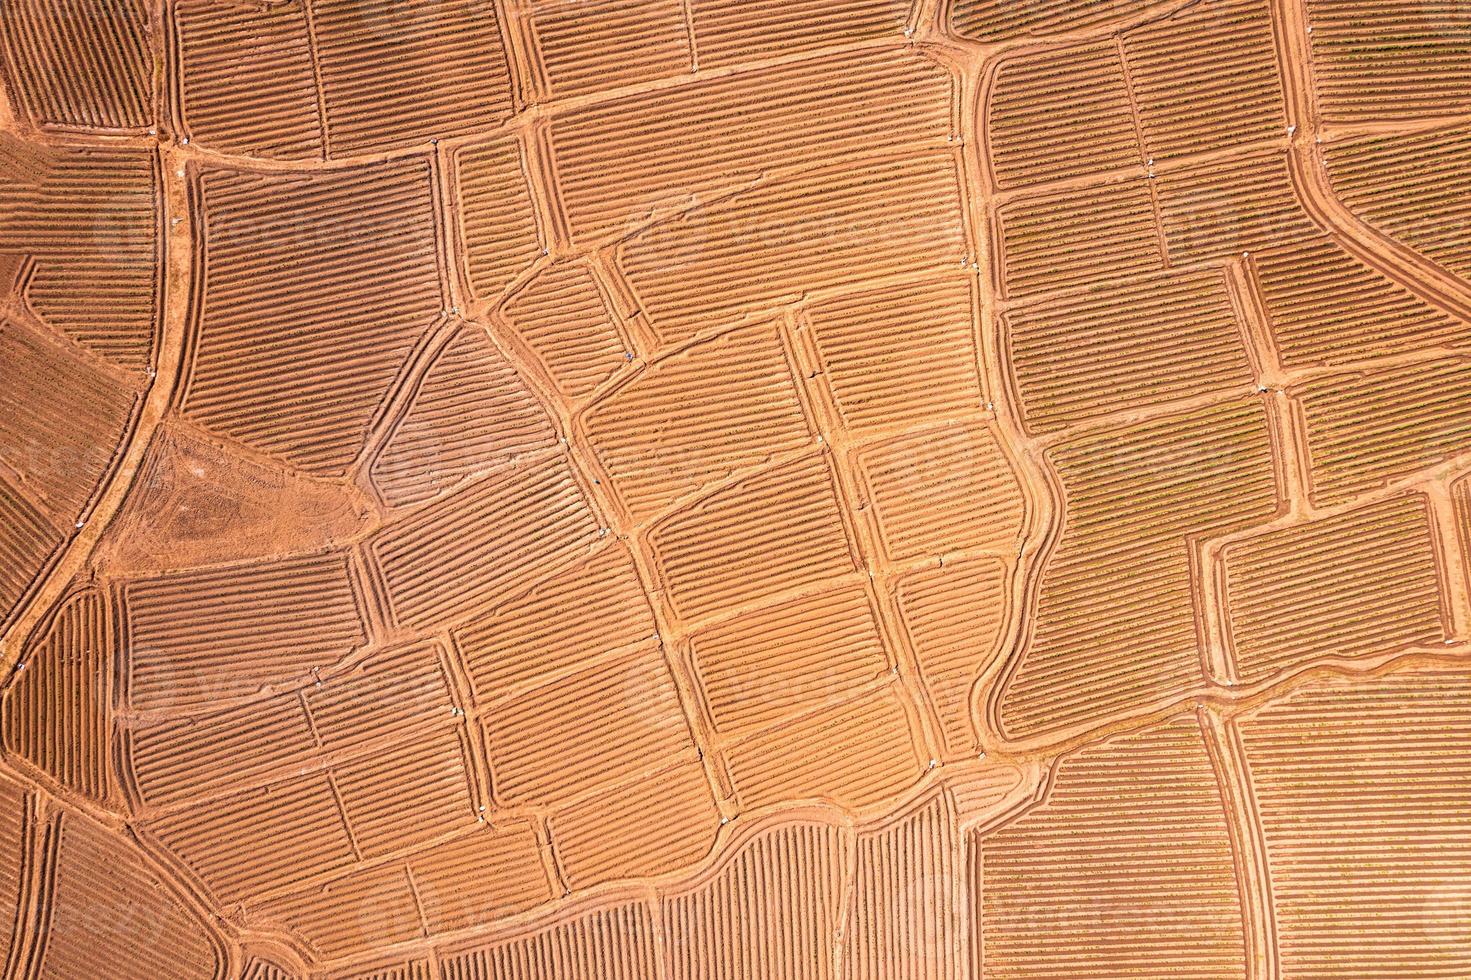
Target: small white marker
(934, 763)
(80, 523)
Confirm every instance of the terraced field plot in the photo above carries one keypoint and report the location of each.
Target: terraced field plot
(735, 490)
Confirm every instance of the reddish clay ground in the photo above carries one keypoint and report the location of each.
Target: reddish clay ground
(735, 489)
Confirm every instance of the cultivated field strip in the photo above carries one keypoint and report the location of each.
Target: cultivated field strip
(1138, 495)
(731, 32)
(470, 415)
(566, 320)
(588, 47)
(1361, 79)
(499, 233)
(88, 220)
(88, 66)
(1325, 308)
(696, 417)
(1127, 345)
(1386, 595)
(1124, 868)
(1412, 187)
(733, 490)
(1328, 766)
(1205, 79)
(954, 616)
(57, 715)
(346, 271)
(245, 79)
(758, 248)
(900, 355)
(682, 147)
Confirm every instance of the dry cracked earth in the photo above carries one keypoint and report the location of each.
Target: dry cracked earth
(735, 489)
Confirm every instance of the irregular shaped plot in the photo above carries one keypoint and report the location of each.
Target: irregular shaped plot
(27, 542)
(313, 300)
(498, 224)
(110, 915)
(1059, 115)
(954, 615)
(1326, 308)
(246, 79)
(57, 715)
(196, 503)
(567, 322)
(901, 355)
(471, 413)
(1360, 882)
(90, 220)
(781, 240)
(1115, 629)
(519, 522)
(84, 65)
(62, 420)
(1124, 870)
(1415, 188)
(621, 160)
(696, 417)
(1384, 595)
(1357, 423)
